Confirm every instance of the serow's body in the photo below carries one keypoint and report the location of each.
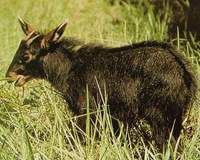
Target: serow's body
(148, 80)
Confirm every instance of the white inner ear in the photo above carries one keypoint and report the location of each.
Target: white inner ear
(55, 37)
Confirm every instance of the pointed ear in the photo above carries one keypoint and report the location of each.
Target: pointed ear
(27, 29)
(54, 35)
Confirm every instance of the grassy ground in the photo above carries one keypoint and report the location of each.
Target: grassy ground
(34, 121)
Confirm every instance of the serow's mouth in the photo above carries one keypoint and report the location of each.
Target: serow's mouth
(21, 80)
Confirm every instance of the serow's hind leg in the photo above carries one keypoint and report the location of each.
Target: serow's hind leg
(160, 134)
(166, 133)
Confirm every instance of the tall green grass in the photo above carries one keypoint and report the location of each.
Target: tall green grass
(35, 122)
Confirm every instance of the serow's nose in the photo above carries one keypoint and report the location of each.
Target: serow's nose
(10, 77)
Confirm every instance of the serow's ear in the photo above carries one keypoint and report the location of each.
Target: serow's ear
(27, 29)
(54, 35)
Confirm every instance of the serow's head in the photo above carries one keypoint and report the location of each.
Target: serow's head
(27, 63)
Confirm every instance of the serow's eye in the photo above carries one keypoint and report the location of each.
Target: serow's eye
(26, 58)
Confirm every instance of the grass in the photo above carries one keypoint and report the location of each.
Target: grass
(35, 122)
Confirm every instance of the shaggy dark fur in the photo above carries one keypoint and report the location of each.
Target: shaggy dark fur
(148, 80)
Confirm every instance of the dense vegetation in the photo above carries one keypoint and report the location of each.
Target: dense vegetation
(34, 120)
